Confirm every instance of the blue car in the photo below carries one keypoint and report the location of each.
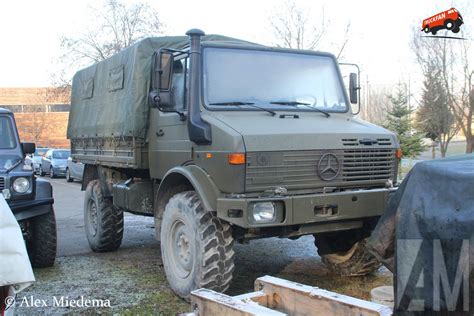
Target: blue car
(54, 163)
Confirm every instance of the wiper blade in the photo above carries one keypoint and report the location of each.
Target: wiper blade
(296, 103)
(239, 103)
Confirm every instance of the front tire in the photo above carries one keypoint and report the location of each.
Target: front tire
(449, 24)
(345, 253)
(42, 240)
(41, 171)
(68, 176)
(102, 221)
(196, 246)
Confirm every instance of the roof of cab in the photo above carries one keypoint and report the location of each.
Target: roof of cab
(5, 111)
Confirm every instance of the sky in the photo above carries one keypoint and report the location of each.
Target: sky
(380, 31)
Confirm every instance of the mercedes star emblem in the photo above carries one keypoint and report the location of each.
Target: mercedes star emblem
(328, 167)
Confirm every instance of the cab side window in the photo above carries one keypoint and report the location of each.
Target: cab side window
(178, 86)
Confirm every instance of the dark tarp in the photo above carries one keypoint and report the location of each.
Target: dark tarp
(428, 223)
(110, 98)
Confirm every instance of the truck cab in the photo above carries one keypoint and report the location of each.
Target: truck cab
(225, 141)
(30, 199)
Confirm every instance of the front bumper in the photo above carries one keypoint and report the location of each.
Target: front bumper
(59, 171)
(24, 209)
(309, 209)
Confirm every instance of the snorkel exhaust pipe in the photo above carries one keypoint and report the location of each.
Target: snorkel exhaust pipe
(199, 130)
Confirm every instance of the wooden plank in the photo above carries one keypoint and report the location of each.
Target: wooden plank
(206, 302)
(297, 299)
(258, 297)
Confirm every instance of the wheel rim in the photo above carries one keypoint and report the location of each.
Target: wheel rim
(92, 218)
(182, 251)
(449, 25)
(51, 172)
(67, 174)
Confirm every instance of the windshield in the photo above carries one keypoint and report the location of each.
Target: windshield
(263, 77)
(61, 154)
(7, 137)
(41, 151)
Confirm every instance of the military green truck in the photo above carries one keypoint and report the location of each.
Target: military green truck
(223, 140)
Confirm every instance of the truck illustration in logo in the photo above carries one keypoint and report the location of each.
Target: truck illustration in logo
(450, 19)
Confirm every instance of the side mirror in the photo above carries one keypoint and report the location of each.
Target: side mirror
(353, 88)
(161, 80)
(163, 71)
(28, 148)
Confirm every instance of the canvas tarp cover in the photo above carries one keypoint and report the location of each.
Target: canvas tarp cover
(431, 213)
(110, 98)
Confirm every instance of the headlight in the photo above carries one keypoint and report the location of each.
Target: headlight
(263, 212)
(21, 185)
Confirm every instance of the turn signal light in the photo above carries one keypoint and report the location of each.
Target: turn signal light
(398, 153)
(236, 159)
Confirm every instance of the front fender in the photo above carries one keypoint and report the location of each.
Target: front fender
(197, 178)
(41, 204)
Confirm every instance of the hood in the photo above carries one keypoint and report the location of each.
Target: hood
(59, 162)
(7, 163)
(263, 132)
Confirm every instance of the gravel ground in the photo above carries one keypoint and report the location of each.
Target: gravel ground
(132, 281)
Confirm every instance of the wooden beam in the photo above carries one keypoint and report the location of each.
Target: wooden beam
(298, 299)
(206, 302)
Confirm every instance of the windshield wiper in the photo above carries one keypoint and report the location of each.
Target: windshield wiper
(296, 103)
(239, 103)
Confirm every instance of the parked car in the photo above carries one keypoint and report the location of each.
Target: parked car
(74, 170)
(54, 162)
(34, 160)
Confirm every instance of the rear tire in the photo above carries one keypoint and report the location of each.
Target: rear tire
(68, 176)
(345, 253)
(102, 221)
(42, 242)
(196, 246)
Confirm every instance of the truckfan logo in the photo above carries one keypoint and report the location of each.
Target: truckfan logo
(328, 167)
(450, 20)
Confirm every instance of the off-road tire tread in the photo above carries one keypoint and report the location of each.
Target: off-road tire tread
(42, 245)
(216, 236)
(360, 263)
(111, 220)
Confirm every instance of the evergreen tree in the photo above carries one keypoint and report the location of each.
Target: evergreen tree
(434, 117)
(399, 121)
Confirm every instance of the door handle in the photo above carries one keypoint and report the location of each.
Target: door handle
(160, 133)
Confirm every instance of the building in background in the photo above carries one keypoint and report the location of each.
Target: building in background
(41, 114)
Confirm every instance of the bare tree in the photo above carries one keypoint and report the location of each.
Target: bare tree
(115, 27)
(451, 59)
(376, 103)
(296, 27)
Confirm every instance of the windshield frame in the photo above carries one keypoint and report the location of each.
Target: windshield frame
(273, 107)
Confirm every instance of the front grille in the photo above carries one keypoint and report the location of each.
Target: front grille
(368, 164)
(2, 183)
(359, 168)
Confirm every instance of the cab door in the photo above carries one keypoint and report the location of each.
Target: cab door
(169, 143)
